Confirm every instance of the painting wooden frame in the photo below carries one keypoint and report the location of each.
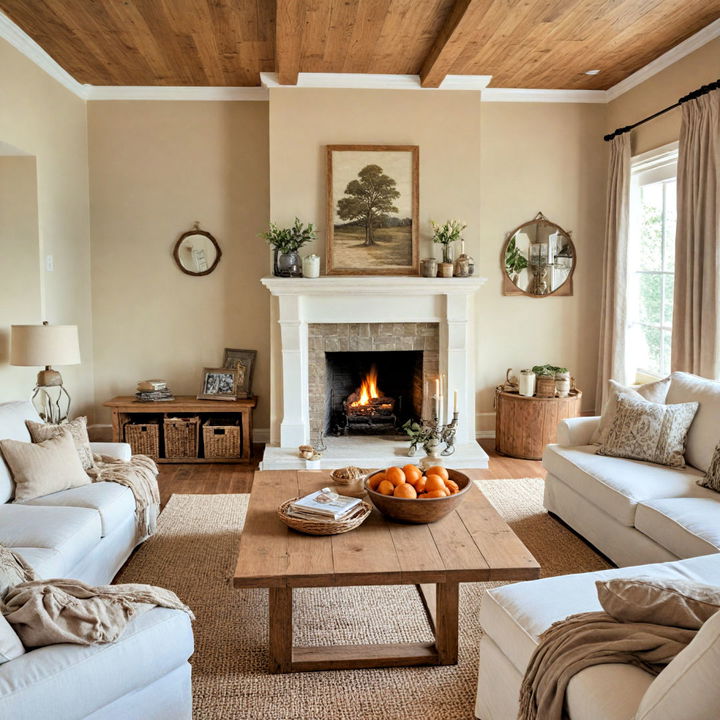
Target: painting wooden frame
(243, 361)
(209, 393)
(344, 256)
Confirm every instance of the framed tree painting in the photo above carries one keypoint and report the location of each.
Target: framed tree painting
(372, 210)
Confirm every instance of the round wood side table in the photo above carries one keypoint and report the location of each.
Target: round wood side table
(525, 425)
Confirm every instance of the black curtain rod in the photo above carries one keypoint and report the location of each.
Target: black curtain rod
(690, 96)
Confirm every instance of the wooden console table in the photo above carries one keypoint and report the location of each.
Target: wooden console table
(525, 425)
(126, 407)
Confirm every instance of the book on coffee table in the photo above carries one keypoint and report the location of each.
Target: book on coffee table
(323, 504)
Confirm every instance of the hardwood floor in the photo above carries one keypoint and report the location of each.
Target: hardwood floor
(229, 479)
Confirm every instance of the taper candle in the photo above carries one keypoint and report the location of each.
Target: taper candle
(455, 401)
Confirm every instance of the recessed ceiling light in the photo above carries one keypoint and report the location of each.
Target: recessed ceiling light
(592, 72)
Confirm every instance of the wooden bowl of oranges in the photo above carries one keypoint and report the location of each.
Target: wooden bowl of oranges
(411, 495)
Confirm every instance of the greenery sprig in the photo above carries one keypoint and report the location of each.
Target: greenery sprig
(287, 240)
(548, 369)
(447, 233)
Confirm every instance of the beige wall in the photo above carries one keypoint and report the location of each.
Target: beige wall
(155, 168)
(661, 90)
(20, 295)
(491, 165)
(42, 118)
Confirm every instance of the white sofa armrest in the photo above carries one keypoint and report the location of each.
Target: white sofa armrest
(121, 451)
(576, 431)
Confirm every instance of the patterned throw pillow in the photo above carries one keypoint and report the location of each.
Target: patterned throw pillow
(39, 432)
(649, 431)
(711, 479)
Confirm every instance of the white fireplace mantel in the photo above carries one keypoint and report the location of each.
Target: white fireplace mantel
(374, 299)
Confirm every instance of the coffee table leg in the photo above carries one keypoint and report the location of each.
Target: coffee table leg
(446, 622)
(280, 630)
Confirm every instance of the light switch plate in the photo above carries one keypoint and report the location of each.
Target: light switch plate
(49, 263)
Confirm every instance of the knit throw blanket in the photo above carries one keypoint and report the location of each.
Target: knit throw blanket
(587, 639)
(47, 612)
(140, 475)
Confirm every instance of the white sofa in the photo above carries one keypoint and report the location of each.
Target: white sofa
(654, 518)
(88, 533)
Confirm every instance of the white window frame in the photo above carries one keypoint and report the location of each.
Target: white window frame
(650, 167)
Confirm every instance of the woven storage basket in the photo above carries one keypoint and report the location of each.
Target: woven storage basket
(144, 438)
(222, 439)
(545, 386)
(182, 436)
(325, 527)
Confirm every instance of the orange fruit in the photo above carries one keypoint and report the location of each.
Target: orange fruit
(437, 493)
(412, 474)
(452, 486)
(422, 495)
(405, 490)
(385, 487)
(375, 480)
(438, 470)
(420, 484)
(434, 482)
(395, 475)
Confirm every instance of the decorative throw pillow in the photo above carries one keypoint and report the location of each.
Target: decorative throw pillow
(78, 429)
(652, 392)
(43, 468)
(649, 431)
(711, 479)
(674, 603)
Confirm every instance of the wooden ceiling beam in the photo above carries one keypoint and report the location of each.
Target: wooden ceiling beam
(289, 26)
(448, 44)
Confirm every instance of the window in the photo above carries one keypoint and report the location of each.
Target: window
(651, 262)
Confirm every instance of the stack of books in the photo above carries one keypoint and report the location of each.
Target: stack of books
(323, 504)
(153, 391)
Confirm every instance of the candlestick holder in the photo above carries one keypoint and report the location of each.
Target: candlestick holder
(432, 435)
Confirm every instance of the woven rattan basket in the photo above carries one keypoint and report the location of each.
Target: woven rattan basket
(325, 527)
(222, 439)
(144, 438)
(545, 386)
(182, 436)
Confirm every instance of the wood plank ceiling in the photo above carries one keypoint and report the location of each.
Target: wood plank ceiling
(521, 43)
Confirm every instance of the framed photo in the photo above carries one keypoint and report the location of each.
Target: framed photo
(243, 361)
(219, 384)
(372, 210)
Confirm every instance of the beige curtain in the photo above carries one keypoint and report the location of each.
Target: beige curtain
(613, 310)
(696, 302)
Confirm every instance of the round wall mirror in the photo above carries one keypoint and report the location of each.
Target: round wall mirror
(538, 259)
(197, 252)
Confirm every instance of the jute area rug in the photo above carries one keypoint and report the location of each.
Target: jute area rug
(194, 552)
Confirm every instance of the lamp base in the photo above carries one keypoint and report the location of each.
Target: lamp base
(49, 378)
(52, 403)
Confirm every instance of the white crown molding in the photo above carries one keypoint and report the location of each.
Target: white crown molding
(22, 42)
(694, 42)
(543, 96)
(465, 82)
(369, 81)
(129, 92)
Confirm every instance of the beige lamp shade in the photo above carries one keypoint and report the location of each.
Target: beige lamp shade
(43, 345)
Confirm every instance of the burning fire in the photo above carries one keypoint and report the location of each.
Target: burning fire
(368, 389)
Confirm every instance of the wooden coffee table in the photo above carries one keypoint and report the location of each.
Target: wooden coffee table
(472, 544)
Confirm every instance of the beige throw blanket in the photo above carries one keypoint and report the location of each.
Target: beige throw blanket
(140, 475)
(588, 639)
(46, 612)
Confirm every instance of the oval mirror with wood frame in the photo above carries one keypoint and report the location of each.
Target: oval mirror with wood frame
(538, 259)
(197, 252)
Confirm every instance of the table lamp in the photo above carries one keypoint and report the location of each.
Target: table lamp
(46, 345)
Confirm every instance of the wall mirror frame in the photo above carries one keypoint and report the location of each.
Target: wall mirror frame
(538, 260)
(197, 252)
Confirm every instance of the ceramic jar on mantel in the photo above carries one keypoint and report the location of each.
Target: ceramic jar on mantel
(464, 264)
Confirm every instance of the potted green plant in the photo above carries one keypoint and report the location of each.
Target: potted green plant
(285, 243)
(445, 235)
(552, 379)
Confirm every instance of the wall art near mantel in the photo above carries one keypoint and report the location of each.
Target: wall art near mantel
(372, 209)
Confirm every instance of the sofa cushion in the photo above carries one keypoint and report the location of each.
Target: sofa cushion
(114, 502)
(10, 645)
(73, 532)
(685, 526)
(69, 682)
(687, 688)
(705, 430)
(617, 485)
(12, 427)
(46, 562)
(514, 616)
(39, 432)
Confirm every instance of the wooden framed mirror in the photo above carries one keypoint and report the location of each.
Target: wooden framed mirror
(197, 252)
(538, 260)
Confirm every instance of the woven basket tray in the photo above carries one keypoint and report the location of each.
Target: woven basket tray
(325, 527)
(144, 438)
(181, 437)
